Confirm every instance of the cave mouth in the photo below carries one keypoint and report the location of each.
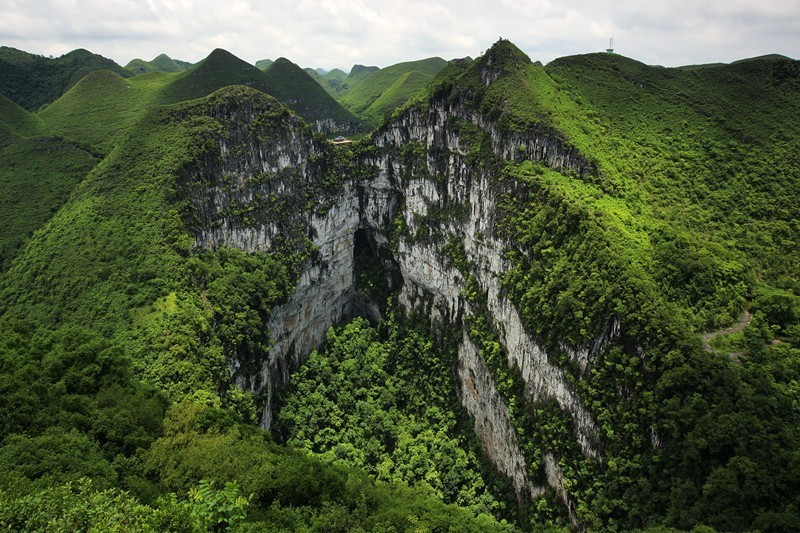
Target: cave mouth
(375, 275)
(363, 243)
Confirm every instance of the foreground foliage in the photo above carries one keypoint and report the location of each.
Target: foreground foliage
(386, 405)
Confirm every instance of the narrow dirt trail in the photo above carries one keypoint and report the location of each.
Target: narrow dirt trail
(743, 322)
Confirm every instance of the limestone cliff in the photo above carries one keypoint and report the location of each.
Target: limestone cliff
(263, 186)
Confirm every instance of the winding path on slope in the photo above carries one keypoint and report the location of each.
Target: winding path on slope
(710, 335)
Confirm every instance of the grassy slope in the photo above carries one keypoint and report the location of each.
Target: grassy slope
(283, 80)
(335, 75)
(325, 84)
(712, 151)
(405, 87)
(219, 69)
(102, 107)
(359, 72)
(14, 119)
(360, 99)
(292, 85)
(36, 177)
(161, 63)
(343, 82)
(33, 81)
(263, 64)
(37, 174)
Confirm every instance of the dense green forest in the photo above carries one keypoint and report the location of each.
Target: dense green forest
(133, 343)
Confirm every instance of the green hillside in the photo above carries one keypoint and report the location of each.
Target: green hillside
(324, 83)
(161, 63)
(100, 109)
(731, 176)
(219, 69)
(32, 81)
(263, 64)
(360, 72)
(283, 79)
(103, 106)
(687, 211)
(291, 85)
(335, 76)
(381, 91)
(37, 176)
(406, 86)
(343, 82)
(19, 121)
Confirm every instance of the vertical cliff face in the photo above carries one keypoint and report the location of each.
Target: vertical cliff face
(450, 201)
(260, 189)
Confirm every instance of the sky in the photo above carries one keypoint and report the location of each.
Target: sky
(340, 33)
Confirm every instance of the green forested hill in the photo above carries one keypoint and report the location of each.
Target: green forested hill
(382, 91)
(680, 214)
(344, 82)
(322, 81)
(687, 211)
(710, 151)
(263, 64)
(32, 81)
(37, 174)
(282, 79)
(293, 86)
(219, 69)
(36, 178)
(18, 121)
(161, 63)
(100, 109)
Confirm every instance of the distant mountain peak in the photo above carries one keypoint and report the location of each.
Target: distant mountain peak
(502, 58)
(263, 64)
(361, 69)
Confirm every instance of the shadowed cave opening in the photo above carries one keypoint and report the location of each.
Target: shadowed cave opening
(376, 274)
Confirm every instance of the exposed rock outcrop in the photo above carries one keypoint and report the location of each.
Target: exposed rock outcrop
(421, 174)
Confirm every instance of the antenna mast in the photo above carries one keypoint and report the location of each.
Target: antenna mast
(610, 48)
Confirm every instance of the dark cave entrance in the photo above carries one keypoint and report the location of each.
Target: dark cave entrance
(376, 274)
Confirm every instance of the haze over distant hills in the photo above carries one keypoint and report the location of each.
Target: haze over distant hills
(161, 63)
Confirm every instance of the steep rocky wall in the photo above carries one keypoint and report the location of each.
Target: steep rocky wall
(254, 193)
(247, 198)
(492, 424)
(446, 182)
(449, 180)
(324, 296)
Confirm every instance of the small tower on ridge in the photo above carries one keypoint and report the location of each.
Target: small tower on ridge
(610, 48)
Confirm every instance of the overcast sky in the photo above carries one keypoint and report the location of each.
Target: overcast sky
(340, 33)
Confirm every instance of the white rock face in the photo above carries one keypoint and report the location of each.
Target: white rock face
(492, 424)
(423, 265)
(323, 297)
(445, 182)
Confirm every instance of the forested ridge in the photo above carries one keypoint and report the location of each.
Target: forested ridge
(120, 329)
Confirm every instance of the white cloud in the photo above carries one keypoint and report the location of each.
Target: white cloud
(339, 33)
